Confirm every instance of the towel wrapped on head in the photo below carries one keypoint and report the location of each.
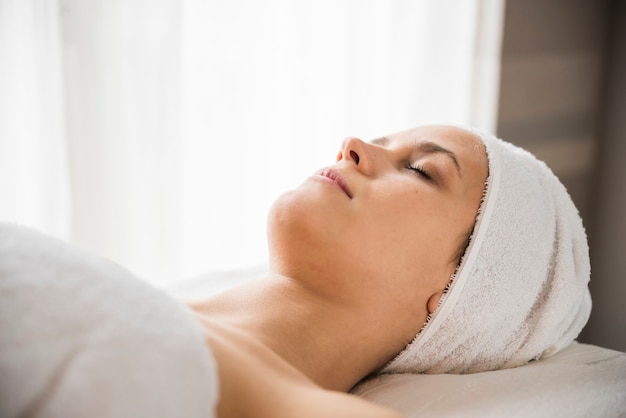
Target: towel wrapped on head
(520, 292)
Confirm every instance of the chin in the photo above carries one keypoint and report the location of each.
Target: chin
(296, 208)
(298, 226)
(285, 221)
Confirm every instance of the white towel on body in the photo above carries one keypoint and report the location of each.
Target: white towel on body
(520, 292)
(82, 337)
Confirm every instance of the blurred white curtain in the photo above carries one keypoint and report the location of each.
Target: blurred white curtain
(33, 158)
(158, 132)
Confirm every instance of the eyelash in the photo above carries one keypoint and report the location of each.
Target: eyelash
(419, 170)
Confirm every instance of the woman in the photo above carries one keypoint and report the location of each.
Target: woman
(359, 255)
(435, 250)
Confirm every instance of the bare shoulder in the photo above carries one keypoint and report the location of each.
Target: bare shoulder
(308, 402)
(255, 382)
(338, 404)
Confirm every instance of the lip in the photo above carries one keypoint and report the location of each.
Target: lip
(333, 176)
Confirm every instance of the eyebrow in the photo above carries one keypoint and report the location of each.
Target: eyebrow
(426, 147)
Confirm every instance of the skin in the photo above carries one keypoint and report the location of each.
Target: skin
(358, 257)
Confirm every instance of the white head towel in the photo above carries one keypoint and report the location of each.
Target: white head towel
(520, 292)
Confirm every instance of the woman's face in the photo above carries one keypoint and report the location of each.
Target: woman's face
(386, 220)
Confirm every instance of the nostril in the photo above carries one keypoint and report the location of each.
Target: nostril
(355, 157)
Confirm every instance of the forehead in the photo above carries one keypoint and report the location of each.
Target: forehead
(454, 138)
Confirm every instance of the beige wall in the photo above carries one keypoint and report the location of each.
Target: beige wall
(607, 325)
(559, 99)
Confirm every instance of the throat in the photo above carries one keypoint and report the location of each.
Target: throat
(307, 333)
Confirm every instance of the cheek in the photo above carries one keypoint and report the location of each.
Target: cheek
(392, 230)
(412, 230)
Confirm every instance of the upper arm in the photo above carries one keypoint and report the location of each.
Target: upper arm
(339, 404)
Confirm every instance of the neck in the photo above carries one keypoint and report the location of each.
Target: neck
(327, 340)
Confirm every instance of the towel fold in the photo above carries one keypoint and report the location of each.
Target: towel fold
(82, 337)
(520, 292)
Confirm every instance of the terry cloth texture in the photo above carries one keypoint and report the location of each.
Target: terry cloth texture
(520, 292)
(82, 337)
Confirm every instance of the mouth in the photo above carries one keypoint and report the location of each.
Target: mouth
(332, 176)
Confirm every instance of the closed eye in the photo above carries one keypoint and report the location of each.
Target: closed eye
(419, 170)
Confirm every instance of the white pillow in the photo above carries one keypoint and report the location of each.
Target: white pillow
(580, 381)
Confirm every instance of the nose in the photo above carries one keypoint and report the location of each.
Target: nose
(355, 150)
